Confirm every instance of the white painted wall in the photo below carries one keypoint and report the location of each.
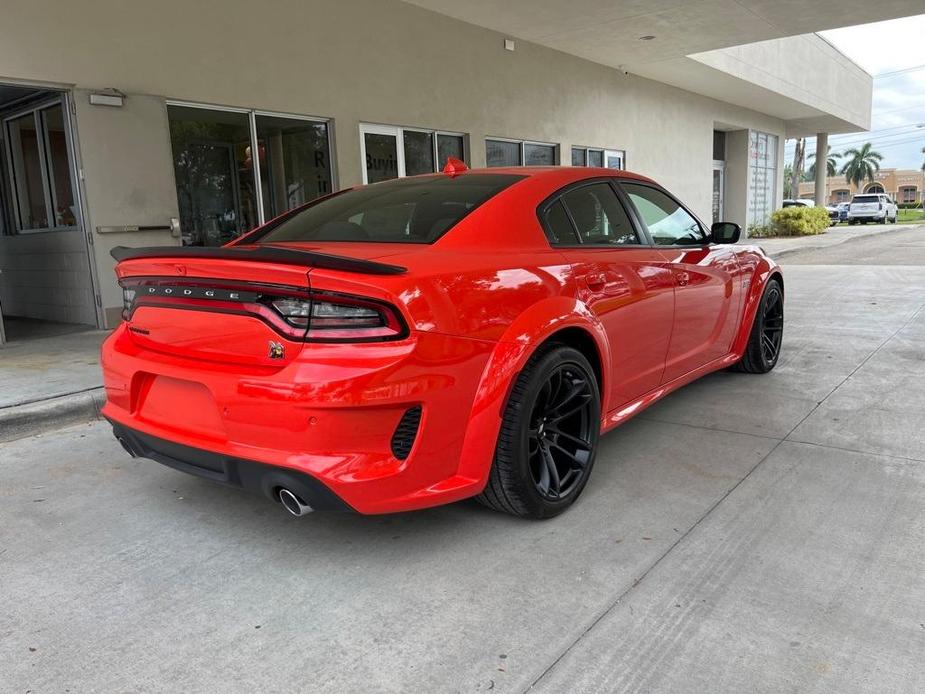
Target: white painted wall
(354, 61)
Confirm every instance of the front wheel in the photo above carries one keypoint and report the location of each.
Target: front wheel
(767, 333)
(548, 438)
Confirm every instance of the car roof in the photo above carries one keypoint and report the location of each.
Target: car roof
(559, 174)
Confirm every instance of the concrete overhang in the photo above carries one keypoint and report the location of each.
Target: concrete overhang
(733, 50)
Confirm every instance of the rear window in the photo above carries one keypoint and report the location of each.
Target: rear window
(407, 210)
(866, 198)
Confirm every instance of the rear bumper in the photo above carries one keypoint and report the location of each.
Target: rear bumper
(873, 214)
(236, 472)
(330, 414)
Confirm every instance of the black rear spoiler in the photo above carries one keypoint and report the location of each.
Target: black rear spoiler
(267, 254)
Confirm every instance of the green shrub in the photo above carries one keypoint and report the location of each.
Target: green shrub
(759, 231)
(799, 221)
(909, 205)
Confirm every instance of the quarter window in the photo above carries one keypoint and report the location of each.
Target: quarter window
(598, 217)
(559, 227)
(669, 224)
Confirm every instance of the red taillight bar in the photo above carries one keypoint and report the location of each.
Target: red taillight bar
(262, 301)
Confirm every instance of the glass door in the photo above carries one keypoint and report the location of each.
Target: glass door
(719, 175)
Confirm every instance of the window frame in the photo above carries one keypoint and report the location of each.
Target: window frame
(398, 131)
(49, 194)
(708, 234)
(641, 233)
(908, 188)
(252, 114)
(604, 151)
(557, 158)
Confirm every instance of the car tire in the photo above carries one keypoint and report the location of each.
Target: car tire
(540, 468)
(766, 336)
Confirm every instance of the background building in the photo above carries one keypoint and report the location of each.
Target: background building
(177, 122)
(903, 185)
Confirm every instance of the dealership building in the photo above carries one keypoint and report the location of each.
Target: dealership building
(133, 124)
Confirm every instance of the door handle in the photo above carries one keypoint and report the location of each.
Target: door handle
(596, 281)
(683, 278)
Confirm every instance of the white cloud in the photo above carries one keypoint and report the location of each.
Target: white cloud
(899, 99)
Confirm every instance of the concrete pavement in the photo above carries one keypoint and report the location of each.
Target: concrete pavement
(748, 533)
(834, 236)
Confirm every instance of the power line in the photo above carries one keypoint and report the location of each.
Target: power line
(914, 68)
(874, 139)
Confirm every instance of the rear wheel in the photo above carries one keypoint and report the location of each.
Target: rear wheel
(764, 342)
(548, 437)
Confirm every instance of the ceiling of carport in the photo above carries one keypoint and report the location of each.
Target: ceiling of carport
(608, 31)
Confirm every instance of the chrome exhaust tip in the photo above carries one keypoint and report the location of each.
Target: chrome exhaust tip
(293, 504)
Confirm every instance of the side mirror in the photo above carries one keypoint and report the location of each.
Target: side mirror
(726, 232)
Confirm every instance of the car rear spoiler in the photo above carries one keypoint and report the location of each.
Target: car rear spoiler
(267, 254)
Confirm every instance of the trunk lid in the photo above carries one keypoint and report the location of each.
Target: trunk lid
(220, 304)
(213, 309)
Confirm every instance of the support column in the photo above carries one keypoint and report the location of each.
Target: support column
(822, 165)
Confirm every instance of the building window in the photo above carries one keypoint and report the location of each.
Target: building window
(600, 158)
(762, 176)
(874, 188)
(908, 194)
(500, 152)
(218, 177)
(389, 151)
(841, 195)
(39, 168)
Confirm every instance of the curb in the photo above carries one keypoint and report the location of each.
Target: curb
(28, 419)
(823, 246)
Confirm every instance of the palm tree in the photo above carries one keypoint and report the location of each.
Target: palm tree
(788, 172)
(923, 163)
(831, 163)
(862, 164)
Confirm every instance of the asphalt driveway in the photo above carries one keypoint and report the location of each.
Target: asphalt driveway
(747, 534)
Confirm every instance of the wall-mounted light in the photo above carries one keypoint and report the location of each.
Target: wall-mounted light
(107, 97)
(509, 44)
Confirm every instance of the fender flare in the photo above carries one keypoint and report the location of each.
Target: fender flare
(765, 270)
(520, 340)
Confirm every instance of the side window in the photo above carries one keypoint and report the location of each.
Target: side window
(559, 227)
(599, 217)
(669, 224)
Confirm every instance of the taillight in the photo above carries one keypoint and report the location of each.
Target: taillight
(345, 318)
(298, 314)
(128, 298)
(333, 317)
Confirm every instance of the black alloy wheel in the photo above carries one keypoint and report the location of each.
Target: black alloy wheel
(560, 436)
(548, 438)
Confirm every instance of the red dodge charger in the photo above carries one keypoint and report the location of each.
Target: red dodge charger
(424, 340)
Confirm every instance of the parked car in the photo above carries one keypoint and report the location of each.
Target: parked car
(872, 207)
(833, 214)
(427, 339)
(842, 208)
(802, 202)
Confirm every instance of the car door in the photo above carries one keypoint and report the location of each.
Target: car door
(707, 277)
(623, 281)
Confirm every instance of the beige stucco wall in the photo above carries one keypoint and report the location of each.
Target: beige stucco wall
(353, 61)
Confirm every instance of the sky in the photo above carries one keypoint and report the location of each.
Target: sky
(894, 53)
